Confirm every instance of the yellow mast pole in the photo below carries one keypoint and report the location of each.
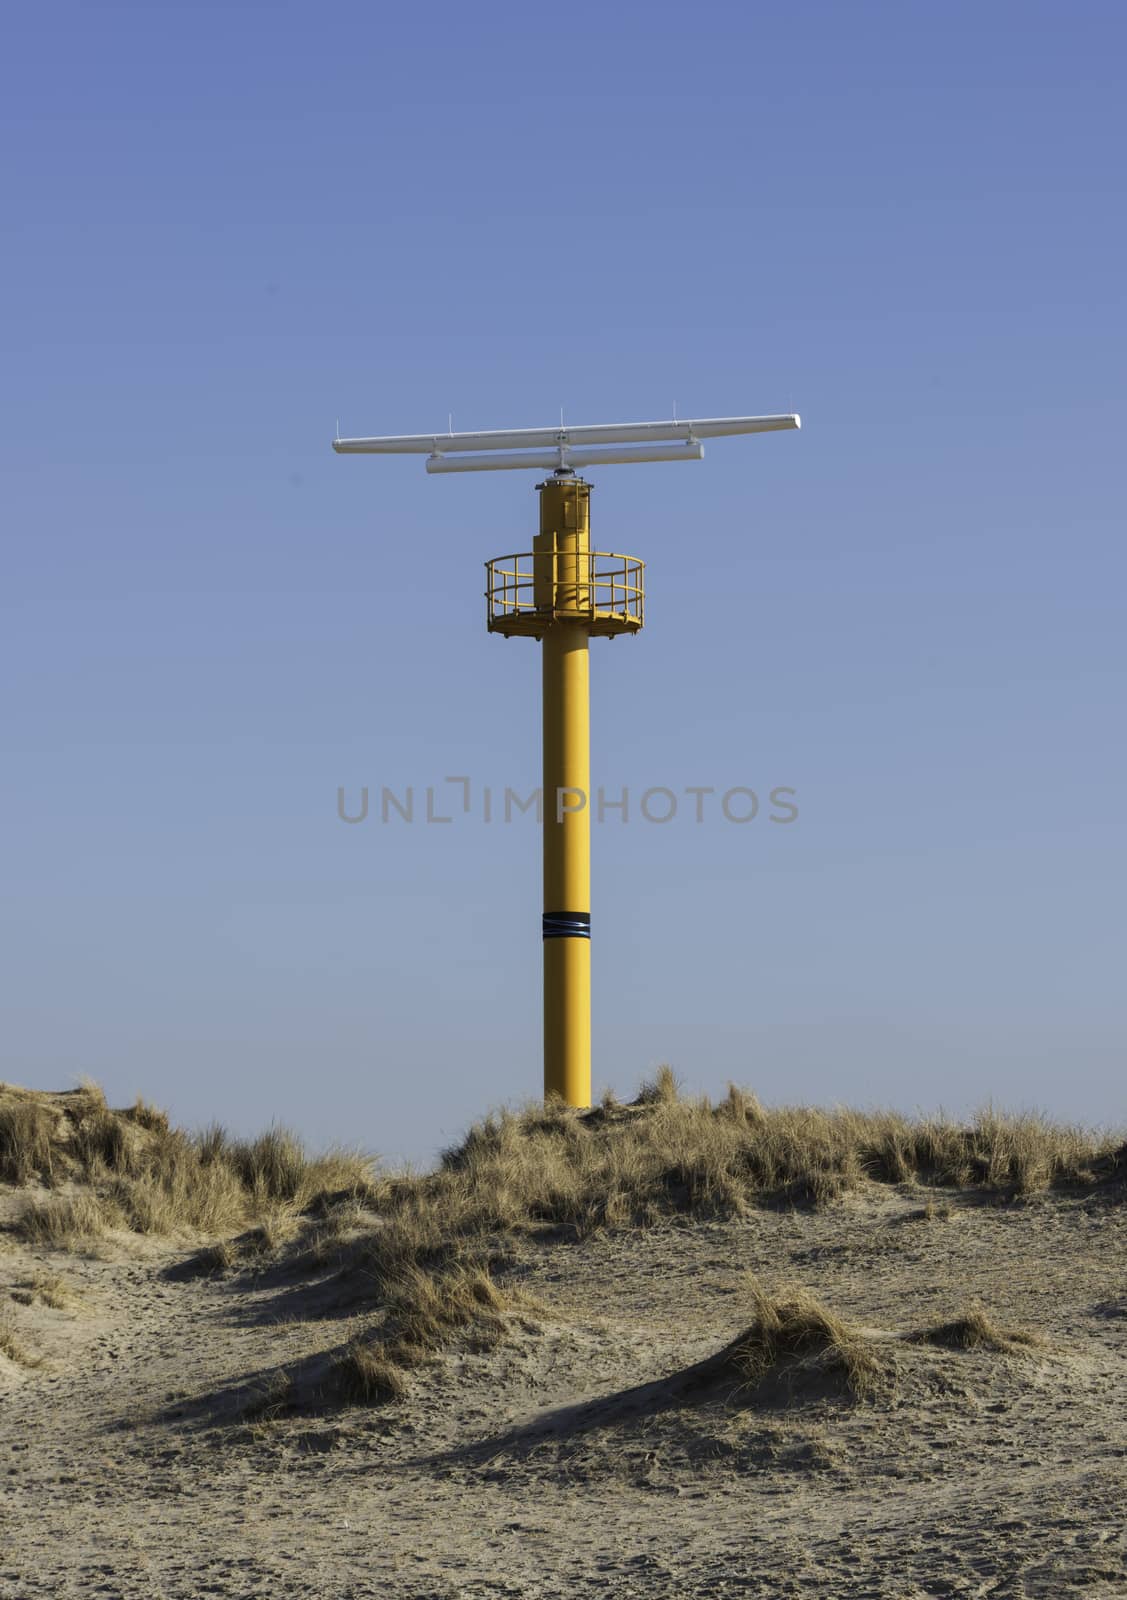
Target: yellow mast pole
(562, 574)
(562, 595)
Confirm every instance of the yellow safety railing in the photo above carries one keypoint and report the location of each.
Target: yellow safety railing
(525, 593)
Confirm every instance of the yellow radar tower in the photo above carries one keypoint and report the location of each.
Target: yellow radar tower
(562, 593)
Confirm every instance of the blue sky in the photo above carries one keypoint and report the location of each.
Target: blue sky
(227, 226)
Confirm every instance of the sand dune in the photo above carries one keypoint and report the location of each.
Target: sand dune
(575, 1409)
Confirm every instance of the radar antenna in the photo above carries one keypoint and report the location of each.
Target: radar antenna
(544, 449)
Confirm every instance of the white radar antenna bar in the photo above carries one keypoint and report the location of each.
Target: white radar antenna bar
(561, 448)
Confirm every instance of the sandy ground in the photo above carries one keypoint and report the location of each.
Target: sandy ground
(574, 1460)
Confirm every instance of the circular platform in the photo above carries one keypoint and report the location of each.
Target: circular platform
(527, 593)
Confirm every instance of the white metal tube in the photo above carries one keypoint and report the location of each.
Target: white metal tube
(499, 461)
(546, 460)
(610, 433)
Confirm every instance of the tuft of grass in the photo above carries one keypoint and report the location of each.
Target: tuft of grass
(367, 1375)
(815, 1453)
(274, 1396)
(276, 1227)
(661, 1089)
(64, 1222)
(426, 1308)
(794, 1329)
(14, 1349)
(974, 1330)
(148, 1116)
(212, 1144)
(1017, 1155)
(212, 1260)
(743, 1107)
(105, 1141)
(48, 1288)
(273, 1166)
(27, 1128)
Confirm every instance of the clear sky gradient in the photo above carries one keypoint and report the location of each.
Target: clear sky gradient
(225, 226)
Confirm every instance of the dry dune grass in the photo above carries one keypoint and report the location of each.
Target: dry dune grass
(65, 1221)
(614, 1166)
(12, 1346)
(424, 1312)
(27, 1130)
(429, 1247)
(46, 1288)
(551, 1168)
(630, 1164)
(275, 1397)
(367, 1375)
(974, 1329)
(106, 1170)
(793, 1332)
(417, 1239)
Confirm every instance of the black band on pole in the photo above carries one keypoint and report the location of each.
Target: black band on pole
(567, 924)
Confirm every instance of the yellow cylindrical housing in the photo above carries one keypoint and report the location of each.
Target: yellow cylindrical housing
(562, 549)
(564, 541)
